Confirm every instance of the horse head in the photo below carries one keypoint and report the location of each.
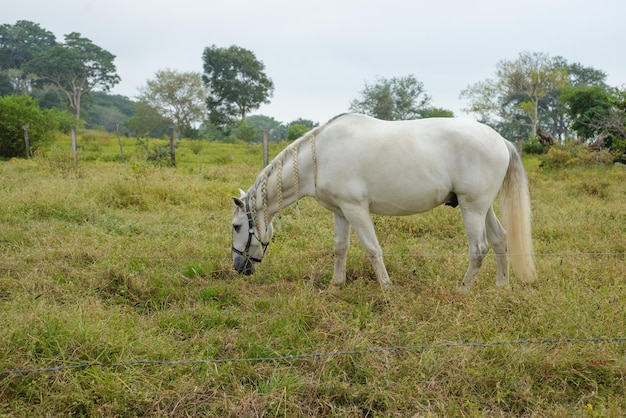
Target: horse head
(247, 248)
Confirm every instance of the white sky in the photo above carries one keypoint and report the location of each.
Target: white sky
(321, 53)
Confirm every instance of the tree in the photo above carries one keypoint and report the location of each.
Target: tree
(296, 130)
(598, 112)
(20, 44)
(275, 130)
(587, 107)
(147, 121)
(552, 114)
(237, 83)
(398, 98)
(76, 68)
(176, 96)
(527, 80)
(106, 111)
(512, 100)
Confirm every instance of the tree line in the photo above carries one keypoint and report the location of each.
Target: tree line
(535, 97)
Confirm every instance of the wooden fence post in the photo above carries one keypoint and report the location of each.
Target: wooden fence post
(119, 140)
(26, 140)
(172, 148)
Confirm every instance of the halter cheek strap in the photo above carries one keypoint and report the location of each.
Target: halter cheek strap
(251, 233)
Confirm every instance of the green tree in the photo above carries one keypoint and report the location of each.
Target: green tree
(598, 113)
(246, 132)
(237, 83)
(147, 122)
(437, 112)
(75, 68)
(275, 130)
(551, 109)
(587, 107)
(296, 130)
(20, 44)
(177, 96)
(106, 111)
(398, 98)
(514, 96)
(19, 110)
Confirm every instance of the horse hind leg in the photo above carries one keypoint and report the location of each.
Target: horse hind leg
(496, 235)
(478, 246)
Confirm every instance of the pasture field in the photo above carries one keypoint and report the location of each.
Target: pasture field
(118, 298)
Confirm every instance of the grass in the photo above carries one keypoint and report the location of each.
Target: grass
(108, 263)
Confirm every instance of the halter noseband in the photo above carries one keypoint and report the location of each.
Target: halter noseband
(251, 233)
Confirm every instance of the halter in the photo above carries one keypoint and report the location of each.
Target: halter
(251, 233)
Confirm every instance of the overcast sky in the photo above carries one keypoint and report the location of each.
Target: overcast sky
(321, 53)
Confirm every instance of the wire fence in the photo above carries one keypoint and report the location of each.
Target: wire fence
(304, 356)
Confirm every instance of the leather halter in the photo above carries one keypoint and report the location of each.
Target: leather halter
(251, 233)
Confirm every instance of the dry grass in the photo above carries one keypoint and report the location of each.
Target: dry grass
(109, 263)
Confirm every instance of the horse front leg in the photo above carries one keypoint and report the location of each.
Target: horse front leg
(364, 228)
(342, 243)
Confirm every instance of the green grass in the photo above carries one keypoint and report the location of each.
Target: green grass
(109, 263)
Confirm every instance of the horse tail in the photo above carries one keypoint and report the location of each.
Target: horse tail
(516, 214)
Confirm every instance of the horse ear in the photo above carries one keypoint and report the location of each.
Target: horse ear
(242, 194)
(238, 202)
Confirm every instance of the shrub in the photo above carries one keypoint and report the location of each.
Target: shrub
(533, 146)
(15, 111)
(296, 131)
(557, 158)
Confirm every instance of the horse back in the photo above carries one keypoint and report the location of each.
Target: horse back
(405, 167)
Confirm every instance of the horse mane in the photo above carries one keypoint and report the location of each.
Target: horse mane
(269, 169)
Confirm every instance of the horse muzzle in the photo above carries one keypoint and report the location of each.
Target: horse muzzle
(243, 265)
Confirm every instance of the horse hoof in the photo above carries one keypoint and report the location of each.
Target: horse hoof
(463, 290)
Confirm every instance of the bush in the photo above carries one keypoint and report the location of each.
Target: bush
(296, 131)
(533, 146)
(15, 111)
(557, 158)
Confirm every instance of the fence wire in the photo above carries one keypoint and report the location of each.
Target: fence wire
(304, 356)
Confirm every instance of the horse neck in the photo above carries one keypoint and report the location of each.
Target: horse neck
(289, 177)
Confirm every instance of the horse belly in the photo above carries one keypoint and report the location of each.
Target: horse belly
(406, 197)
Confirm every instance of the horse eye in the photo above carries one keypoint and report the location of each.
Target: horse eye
(237, 228)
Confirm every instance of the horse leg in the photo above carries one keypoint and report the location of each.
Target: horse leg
(496, 235)
(477, 240)
(361, 221)
(342, 243)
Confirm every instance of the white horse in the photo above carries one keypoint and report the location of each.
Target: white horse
(356, 165)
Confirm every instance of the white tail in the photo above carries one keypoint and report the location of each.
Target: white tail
(516, 216)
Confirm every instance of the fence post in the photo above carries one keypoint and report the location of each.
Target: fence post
(172, 148)
(26, 140)
(119, 140)
(265, 149)
(74, 145)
